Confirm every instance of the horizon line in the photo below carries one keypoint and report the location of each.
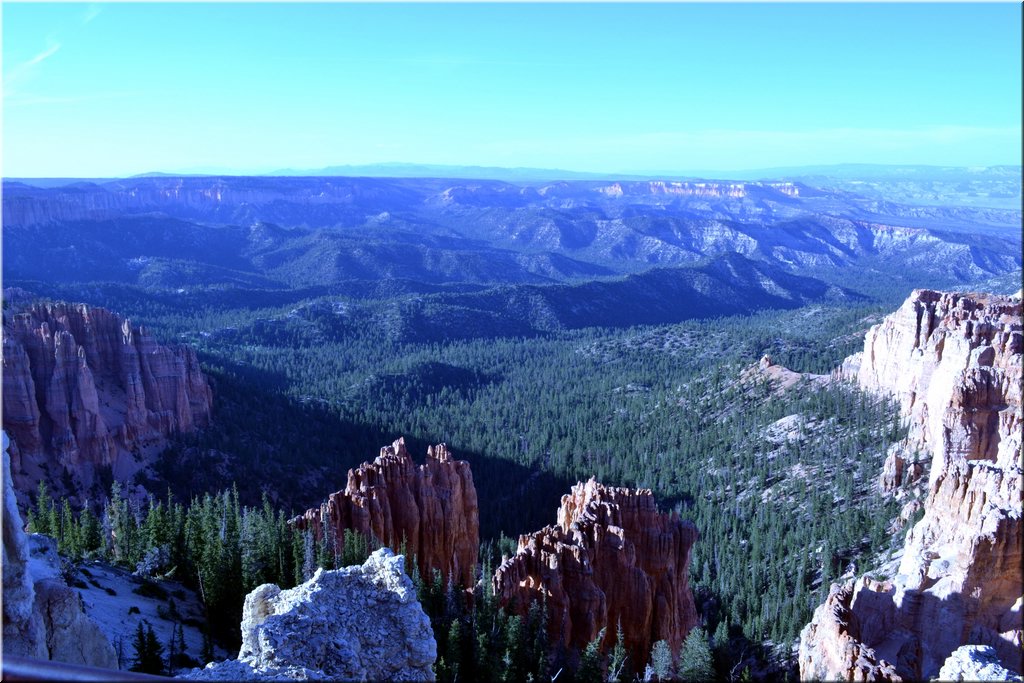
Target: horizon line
(316, 172)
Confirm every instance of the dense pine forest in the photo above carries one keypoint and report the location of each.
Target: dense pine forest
(681, 409)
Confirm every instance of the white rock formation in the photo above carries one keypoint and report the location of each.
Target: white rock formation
(975, 663)
(356, 623)
(43, 617)
(954, 362)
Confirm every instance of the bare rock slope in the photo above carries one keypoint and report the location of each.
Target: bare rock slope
(954, 362)
(612, 558)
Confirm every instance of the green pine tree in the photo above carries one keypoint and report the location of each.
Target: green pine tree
(67, 536)
(154, 653)
(515, 652)
(53, 520)
(39, 520)
(455, 648)
(179, 657)
(91, 534)
(149, 652)
(207, 653)
(661, 660)
(721, 634)
(695, 662)
(591, 661)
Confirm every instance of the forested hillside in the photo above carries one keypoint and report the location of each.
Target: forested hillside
(683, 409)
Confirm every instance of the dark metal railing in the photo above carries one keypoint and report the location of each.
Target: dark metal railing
(30, 669)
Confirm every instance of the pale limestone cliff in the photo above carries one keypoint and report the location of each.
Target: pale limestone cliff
(954, 363)
(700, 190)
(357, 623)
(83, 389)
(611, 559)
(431, 508)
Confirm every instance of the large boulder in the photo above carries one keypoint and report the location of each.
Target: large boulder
(975, 663)
(356, 623)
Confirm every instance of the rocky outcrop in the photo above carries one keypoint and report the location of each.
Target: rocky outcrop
(43, 617)
(903, 467)
(357, 623)
(431, 509)
(954, 363)
(975, 663)
(611, 559)
(832, 645)
(83, 388)
(780, 377)
(23, 635)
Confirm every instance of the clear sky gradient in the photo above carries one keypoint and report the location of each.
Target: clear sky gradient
(95, 90)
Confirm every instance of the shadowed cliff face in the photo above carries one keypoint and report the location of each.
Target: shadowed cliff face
(83, 389)
(431, 508)
(954, 362)
(611, 559)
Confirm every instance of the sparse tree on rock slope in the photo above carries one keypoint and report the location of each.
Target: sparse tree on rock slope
(591, 661)
(149, 653)
(618, 660)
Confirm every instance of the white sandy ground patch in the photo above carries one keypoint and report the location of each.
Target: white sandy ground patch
(788, 428)
(109, 600)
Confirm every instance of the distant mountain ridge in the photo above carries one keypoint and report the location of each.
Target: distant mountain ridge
(405, 170)
(728, 285)
(882, 172)
(301, 232)
(840, 171)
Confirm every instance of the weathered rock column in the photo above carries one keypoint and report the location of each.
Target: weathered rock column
(611, 559)
(431, 508)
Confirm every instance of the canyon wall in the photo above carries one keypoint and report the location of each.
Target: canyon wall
(431, 508)
(611, 559)
(954, 363)
(83, 388)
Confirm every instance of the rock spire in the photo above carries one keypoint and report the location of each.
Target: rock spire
(611, 559)
(430, 508)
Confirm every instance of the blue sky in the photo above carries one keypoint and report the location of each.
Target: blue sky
(122, 88)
